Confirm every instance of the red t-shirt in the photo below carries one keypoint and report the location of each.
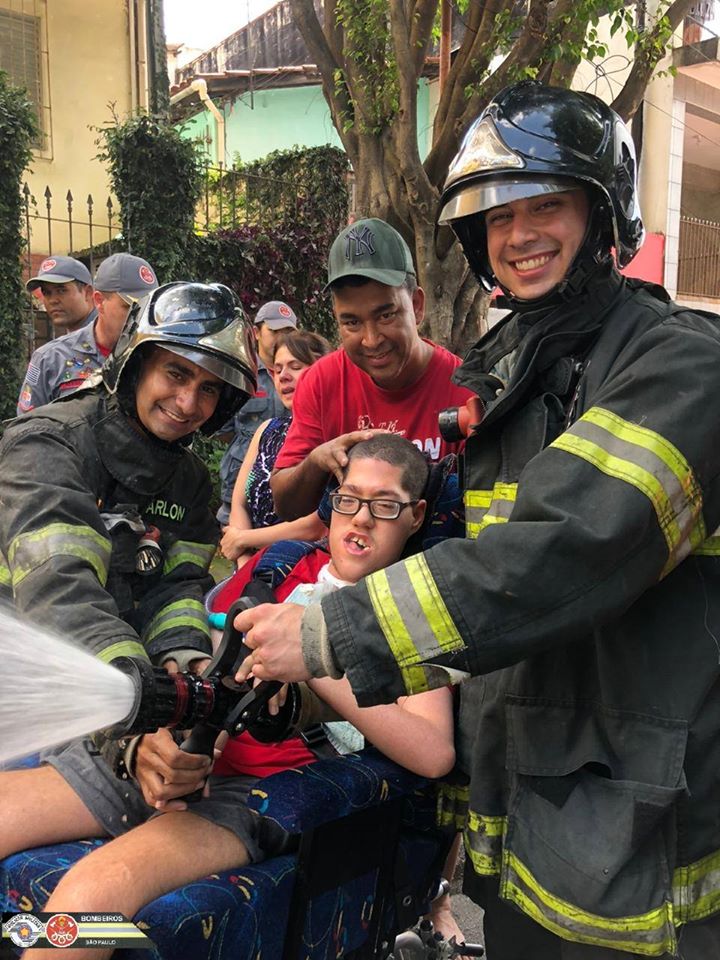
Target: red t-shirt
(334, 396)
(244, 754)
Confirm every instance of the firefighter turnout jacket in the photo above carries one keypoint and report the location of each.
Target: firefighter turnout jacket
(586, 602)
(80, 488)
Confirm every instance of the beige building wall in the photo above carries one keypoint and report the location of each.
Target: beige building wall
(89, 65)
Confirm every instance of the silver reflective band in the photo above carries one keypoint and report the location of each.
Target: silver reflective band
(497, 191)
(381, 509)
(482, 149)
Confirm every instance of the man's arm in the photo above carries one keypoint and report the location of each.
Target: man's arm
(36, 388)
(601, 516)
(417, 733)
(297, 490)
(55, 545)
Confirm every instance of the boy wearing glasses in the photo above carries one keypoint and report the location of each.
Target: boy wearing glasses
(377, 507)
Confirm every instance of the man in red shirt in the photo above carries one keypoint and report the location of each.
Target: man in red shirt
(384, 376)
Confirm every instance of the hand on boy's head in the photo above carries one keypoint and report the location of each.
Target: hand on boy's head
(331, 457)
(272, 632)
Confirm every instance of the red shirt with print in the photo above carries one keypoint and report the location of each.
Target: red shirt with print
(334, 396)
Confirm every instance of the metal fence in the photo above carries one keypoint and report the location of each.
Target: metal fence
(699, 258)
(232, 198)
(53, 225)
(91, 230)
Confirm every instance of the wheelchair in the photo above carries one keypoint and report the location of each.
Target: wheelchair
(368, 860)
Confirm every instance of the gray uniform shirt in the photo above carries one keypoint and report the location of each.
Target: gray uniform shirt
(60, 366)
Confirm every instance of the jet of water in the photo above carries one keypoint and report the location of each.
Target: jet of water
(52, 691)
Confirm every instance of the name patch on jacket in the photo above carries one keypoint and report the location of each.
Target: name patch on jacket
(161, 508)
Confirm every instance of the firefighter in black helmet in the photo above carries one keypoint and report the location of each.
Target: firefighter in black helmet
(106, 534)
(585, 601)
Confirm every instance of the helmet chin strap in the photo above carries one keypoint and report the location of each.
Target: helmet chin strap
(592, 256)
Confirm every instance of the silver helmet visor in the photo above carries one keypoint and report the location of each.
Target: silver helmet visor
(213, 364)
(496, 191)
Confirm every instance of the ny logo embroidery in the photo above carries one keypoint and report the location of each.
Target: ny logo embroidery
(359, 241)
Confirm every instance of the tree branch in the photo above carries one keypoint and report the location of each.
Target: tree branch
(423, 18)
(647, 57)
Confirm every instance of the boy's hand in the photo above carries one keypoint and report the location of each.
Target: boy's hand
(165, 773)
(272, 632)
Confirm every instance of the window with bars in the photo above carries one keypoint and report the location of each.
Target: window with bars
(21, 52)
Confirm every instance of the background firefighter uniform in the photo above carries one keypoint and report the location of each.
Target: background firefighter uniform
(587, 595)
(62, 467)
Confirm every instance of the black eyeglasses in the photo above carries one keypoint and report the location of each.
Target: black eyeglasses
(380, 509)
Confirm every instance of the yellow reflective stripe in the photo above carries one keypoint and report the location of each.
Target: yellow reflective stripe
(5, 577)
(123, 648)
(28, 551)
(391, 624)
(483, 839)
(413, 616)
(709, 547)
(479, 499)
(483, 507)
(186, 551)
(181, 613)
(651, 934)
(452, 805)
(652, 465)
(696, 889)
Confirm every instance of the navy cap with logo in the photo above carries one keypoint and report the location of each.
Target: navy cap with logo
(276, 315)
(131, 277)
(59, 270)
(373, 249)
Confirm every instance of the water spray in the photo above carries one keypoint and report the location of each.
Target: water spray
(61, 692)
(52, 690)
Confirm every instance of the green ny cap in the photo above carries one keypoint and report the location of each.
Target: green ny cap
(372, 249)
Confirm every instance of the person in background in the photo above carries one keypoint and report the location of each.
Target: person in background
(66, 289)
(271, 320)
(62, 365)
(385, 375)
(253, 521)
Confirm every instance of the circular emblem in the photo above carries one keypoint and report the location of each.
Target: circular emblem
(146, 274)
(24, 929)
(61, 930)
(47, 265)
(284, 310)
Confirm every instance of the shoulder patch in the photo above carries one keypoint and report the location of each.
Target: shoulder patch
(25, 401)
(33, 374)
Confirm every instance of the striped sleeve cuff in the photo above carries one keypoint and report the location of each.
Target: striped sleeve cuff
(316, 650)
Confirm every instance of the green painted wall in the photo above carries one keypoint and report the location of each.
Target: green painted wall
(280, 118)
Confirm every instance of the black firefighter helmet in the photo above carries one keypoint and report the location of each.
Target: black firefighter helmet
(202, 322)
(533, 139)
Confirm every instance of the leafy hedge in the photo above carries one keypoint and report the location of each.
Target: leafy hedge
(156, 176)
(18, 127)
(269, 263)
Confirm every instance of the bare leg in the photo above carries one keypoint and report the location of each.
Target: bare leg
(38, 808)
(139, 866)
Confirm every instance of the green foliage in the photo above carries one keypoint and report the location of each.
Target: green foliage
(269, 263)
(369, 47)
(210, 452)
(156, 176)
(295, 202)
(307, 184)
(18, 127)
